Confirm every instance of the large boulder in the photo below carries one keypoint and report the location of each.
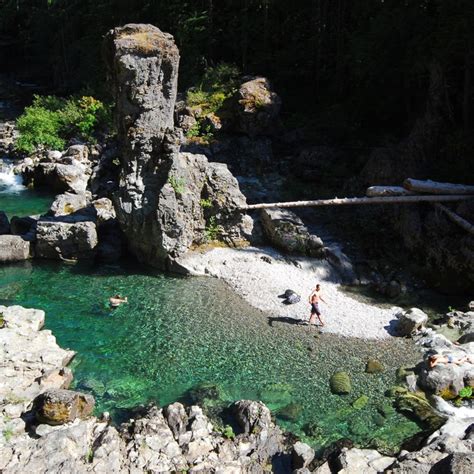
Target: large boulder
(260, 434)
(14, 248)
(56, 407)
(287, 231)
(256, 107)
(167, 200)
(68, 203)
(68, 174)
(302, 455)
(411, 321)
(66, 240)
(367, 461)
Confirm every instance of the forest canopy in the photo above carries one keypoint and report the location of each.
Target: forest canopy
(349, 63)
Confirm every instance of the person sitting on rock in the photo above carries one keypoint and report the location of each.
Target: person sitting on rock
(117, 300)
(436, 359)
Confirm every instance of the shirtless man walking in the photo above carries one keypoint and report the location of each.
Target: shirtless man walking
(314, 299)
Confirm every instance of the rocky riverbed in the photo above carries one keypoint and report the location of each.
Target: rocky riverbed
(47, 428)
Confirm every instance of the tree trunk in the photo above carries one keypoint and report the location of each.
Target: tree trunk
(387, 191)
(355, 200)
(433, 187)
(467, 226)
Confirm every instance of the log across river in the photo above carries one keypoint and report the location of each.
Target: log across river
(360, 200)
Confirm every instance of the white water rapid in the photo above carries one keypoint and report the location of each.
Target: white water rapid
(9, 181)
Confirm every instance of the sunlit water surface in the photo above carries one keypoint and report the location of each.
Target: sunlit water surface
(176, 334)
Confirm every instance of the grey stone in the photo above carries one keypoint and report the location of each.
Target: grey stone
(286, 230)
(411, 321)
(68, 203)
(302, 455)
(14, 248)
(256, 107)
(66, 240)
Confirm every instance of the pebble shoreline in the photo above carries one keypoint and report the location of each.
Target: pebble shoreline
(259, 275)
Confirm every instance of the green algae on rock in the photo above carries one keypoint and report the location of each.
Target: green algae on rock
(340, 383)
(374, 366)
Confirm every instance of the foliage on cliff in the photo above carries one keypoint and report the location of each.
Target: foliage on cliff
(50, 121)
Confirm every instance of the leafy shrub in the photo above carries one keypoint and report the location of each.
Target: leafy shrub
(51, 121)
(212, 229)
(217, 84)
(228, 432)
(465, 392)
(205, 203)
(39, 126)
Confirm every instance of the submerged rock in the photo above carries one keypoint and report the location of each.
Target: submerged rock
(56, 407)
(374, 366)
(361, 402)
(340, 383)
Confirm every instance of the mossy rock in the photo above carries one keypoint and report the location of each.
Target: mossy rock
(374, 366)
(340, 383)
(378, 419)
(417, 404)
(290, 412)
(395, 391)
(386, 410)
(448, 393)
(361, 402)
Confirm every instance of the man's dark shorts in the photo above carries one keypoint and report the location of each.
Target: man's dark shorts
(315, 309)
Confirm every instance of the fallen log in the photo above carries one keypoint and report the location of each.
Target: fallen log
(434, 187)
(456, 218)
(357, 200)
(374, 191)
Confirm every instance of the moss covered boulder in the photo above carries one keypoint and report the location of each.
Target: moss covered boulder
(418, 405)
(361, 402)
(340, 383)
(290, 412)
(374, 366)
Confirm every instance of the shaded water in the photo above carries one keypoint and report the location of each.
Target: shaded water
(176, 334)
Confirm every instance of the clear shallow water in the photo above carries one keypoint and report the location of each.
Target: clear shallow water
(176, 334)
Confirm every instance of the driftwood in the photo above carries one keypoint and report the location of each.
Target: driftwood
(456, 218)
(374, 191)
(355, 200)
(432, 187)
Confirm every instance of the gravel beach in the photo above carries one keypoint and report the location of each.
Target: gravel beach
(260, 275)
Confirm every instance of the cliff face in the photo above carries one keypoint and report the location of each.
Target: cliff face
(166, 200)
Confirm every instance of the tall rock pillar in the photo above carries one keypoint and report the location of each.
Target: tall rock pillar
(160, 199)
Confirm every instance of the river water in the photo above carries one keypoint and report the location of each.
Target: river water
(192, 339)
